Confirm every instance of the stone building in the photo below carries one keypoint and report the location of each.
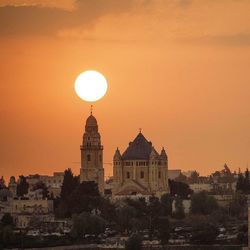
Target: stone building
(92, 154)
(140, 170)
(53, 182)
(24, 210)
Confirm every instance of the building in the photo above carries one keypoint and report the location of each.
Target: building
(173, 173)
(140, 170)
(53, 183)
(92, 154)
(25, 210)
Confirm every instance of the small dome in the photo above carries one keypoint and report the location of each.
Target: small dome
(91, 121)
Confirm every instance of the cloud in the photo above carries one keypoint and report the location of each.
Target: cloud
(236, 39)
(41, 20)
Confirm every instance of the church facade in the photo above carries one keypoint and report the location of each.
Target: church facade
(92, 154)
(140, 170)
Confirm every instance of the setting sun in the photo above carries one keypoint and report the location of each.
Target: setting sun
(91, 86)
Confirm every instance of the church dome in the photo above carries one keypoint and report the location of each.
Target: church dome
(91, 121)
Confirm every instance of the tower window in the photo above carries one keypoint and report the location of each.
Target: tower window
(128, 175)
(100, 157)
(142, 175)
(88, 157)
(159, 175)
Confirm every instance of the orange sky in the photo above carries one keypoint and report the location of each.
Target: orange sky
(178, 69)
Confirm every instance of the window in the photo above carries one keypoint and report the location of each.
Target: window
(88, 158)
(100, 157)
(128, 175)
(142, 175)
(159, 175)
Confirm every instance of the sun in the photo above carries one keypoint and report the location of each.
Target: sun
(91, 86)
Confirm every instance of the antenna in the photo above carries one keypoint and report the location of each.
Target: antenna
(91, 109)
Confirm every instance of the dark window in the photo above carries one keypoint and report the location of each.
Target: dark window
(100, 157)
(159, 175)
(142, 175)
(137, 163)
(88, 158)
(128, 175)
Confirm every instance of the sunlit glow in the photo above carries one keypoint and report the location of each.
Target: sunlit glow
(91, 86)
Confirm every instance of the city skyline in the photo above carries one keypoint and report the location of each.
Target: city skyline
(178, 70)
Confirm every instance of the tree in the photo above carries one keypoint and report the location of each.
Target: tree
(238, 205)
(166, 203)
(134, 242)
(86, 223)
(107, 209)
(35, 222)
(153, 209)
(84, 198)
(243, 183)
(69, 184)
(202, 203)
(204, 233)
(179, 209)
(194, 178)
(2, 183)
(41, 185)
(22, 186)
(181, 178)
(179, 189)
(7, 220)
(240, 182)
(163, 229)
(124, 217)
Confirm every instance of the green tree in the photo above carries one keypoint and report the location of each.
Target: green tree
(22, 186)
(2, 183)
(69, 184)
(163, 229)
(124, 215)
(134, 242)
(41, 185)
(7, 220)
(84, 198)
(153, 209)
(166, 203)
(179, 209)
(204, 233)
(202, 203)
(86, 223)
(107, 209)
(179, 189)
(238, 205)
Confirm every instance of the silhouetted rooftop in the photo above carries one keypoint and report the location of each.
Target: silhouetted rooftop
(139, 149)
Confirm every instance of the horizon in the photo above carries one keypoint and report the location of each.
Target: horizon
(176, 69)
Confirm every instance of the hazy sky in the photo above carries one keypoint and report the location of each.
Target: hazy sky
(178, 69)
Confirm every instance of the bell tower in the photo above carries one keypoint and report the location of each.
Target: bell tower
(92, 154)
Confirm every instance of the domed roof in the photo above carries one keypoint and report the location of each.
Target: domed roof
(91, 121)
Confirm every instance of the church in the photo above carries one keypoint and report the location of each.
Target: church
(140, 170)
(92, 154)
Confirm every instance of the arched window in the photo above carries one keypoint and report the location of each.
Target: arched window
(88, 157)
(128, 175)
(142, 175)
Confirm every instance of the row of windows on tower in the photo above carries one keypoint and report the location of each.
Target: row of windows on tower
(139, 163)
(89, 157)
(142, 175)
